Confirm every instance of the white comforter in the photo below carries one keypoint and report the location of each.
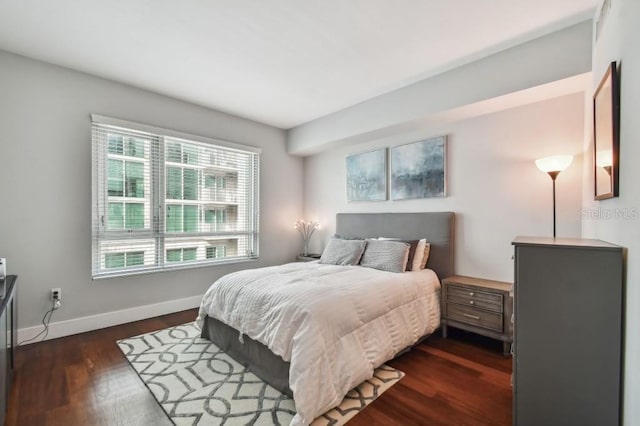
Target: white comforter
(334, 324)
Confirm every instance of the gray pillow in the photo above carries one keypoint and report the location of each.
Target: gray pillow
(386, 255)
(413, 245)
(343, 252)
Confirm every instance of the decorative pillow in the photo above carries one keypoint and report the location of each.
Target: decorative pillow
(413, 251)
(427, 249)
(343, 252)
(417, 259)
(386, 255)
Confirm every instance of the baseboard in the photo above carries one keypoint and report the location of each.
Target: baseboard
(108, 319)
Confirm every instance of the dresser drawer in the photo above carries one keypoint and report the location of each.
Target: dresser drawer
(472, 316)
(481, 299)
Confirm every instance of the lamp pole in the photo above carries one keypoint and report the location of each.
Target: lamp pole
(554, 175)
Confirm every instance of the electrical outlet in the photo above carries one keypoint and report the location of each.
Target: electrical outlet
(56, 294)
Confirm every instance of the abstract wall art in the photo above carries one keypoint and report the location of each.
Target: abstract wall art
(367, 176)
(418, 169)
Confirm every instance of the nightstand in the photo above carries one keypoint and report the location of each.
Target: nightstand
(308, 258)
(481, 306)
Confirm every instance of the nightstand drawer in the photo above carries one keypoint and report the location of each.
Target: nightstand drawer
(480, 299)
(477, 317)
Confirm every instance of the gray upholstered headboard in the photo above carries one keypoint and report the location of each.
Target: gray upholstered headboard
(436, 227)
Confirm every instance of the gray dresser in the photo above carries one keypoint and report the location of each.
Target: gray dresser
(568, 332)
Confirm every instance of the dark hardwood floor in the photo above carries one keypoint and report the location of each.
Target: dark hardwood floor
(86, 380)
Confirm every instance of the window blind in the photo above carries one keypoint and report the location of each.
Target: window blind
(164, 200)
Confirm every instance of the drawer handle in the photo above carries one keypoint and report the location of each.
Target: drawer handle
(471, 302)
(471, 293)
(475, 317)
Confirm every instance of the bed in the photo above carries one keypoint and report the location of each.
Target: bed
(315, 331)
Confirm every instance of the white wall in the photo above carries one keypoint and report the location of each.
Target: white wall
(45, 173)
(493, 184)
(619, 42)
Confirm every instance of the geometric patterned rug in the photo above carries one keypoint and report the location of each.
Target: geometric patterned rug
(196, 383)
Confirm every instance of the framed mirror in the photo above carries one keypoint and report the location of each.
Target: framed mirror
(606, 135)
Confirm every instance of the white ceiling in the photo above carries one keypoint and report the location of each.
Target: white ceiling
(280, 62)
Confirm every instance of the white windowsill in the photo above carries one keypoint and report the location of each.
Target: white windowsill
(172, 268)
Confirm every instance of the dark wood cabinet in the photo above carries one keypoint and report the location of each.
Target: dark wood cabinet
(8, 340)
(568, 332)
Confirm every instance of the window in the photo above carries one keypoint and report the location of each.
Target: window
(121, 260)
(214, 252)
(182, 255)
(164, 200)
(215, 216)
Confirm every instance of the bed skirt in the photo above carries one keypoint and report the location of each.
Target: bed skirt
(252, 354)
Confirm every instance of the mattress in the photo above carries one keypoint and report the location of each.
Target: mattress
(333, 324)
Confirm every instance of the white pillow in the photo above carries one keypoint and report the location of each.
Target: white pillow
(427, 249)
(417, 258)
(422, 255)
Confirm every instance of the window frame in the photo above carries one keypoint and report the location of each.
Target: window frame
(155, 160)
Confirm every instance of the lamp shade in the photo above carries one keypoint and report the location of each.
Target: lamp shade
(555, 163)
(604, 158)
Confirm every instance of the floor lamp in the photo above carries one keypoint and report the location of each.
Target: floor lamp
(553, 166)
